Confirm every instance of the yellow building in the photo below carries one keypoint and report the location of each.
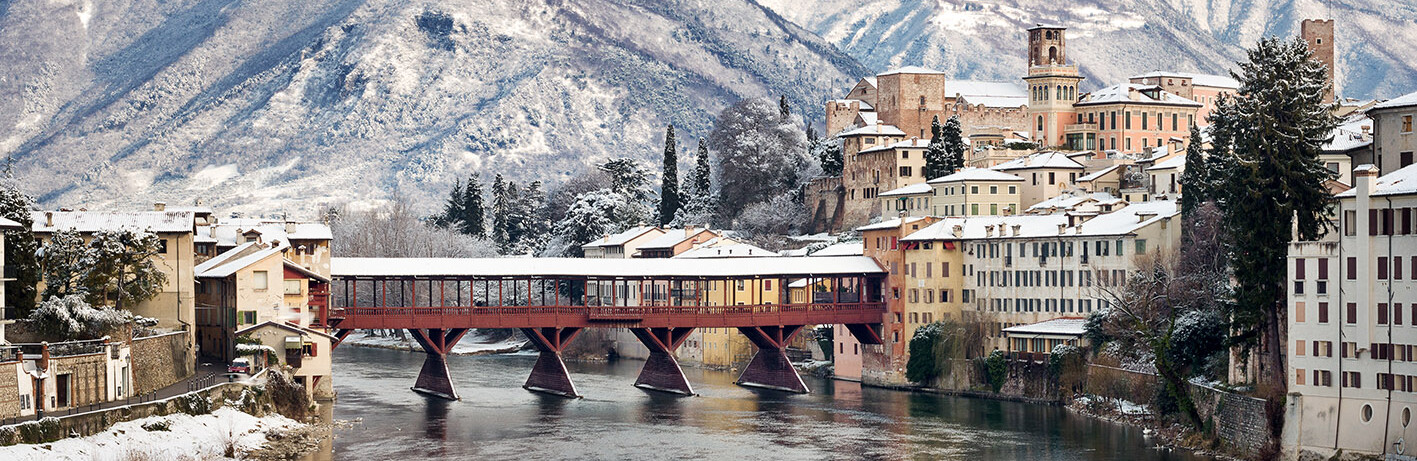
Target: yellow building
(726, 347)
(976, 192)
(934, 281)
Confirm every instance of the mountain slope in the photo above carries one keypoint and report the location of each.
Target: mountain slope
(273, 106)
(1111, 40)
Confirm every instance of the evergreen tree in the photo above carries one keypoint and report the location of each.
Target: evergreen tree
(472, 214)
(515, 219)
(783, 109)
(952, 135)
(702, 172)
(451, 216)
(669, 200)
(628, 178)
(826, 151)
(1193, 181)
(1269, 137)
(123, 272)
(936, 156)
(535, 227)
(65, 259)
(500, 207)
(20, 246)
(698, 205)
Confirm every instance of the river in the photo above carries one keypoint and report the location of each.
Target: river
(497, 419)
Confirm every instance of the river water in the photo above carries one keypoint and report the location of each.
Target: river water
(497, 419)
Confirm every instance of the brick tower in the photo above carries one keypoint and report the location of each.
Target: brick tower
(1318, 33)
(1052, 85)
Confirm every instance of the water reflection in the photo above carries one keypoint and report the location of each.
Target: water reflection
(497, 419)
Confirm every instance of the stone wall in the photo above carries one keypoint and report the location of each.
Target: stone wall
(94, 422)
(88, 375)
(824, 199)
(160, 361)
(9, 389)
(1240, 421)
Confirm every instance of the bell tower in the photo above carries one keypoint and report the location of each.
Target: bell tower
(1318, 33)
(1052, 85)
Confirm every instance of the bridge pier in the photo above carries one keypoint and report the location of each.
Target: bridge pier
(550, 375)
(661, 371)
(770, 368)
(433, 379)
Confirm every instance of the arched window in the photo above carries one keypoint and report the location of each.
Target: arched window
(1059, 90)
(1052, 54)
(1040, 123)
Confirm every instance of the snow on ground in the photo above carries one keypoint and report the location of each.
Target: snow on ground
(472, 344)
(1124, 407)
(188, 437)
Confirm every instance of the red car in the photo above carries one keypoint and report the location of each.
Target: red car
(239, 366)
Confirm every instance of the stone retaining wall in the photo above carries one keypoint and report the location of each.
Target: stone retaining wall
(84, 424)
(160, 361)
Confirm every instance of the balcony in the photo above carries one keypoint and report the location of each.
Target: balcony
(1080, 128)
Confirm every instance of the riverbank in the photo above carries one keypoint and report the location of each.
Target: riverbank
(224, 433)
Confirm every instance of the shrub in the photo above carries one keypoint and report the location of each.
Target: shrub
(42, 431)
(194, 404)
(997, 366)
(162, 425)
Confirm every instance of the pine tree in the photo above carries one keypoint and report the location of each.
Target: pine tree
(783, 109)
(702, 186)
(669, 200)
(500, 207)
(1193, 181)
(516, 219)
(1269, 137)
(698, 206)
(936, 156)
(472, 215)
(20, 246)
(955, 147)
(452, 208)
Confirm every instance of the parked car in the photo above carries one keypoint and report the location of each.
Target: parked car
(239, 366)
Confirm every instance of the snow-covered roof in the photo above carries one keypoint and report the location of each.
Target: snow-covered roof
(995, 101)
(285, 326)
(94, 221)
(870, 80)
(913, 189)
(1170, 163)
(975, 174)
(1070, 200)
(839, 250)
(1037, 26)
(1120, 222)
(1068, 326)
(1093, 176)
(873, 129)
(988, 94)
(1400, 182)
(620, 238)
(1039, 160)
(238, 258)
(734, 250)
(656, 267)
(8, 224)
(909, 70)
(1124, 93)
(1210, 80)
(230, 231)
(292, 265)
(913, 143)
(673, 237)
(863, 105)
(1350, 135)
(1409, 99)
(889, 223)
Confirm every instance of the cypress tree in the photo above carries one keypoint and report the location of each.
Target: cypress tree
(702, 187)
(1269, 137)
(955, 147)
(500, 207)
(669, 181)
(472, 214)
(1193, 181)
(782, 108)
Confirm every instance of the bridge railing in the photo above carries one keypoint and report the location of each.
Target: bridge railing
(520, 316)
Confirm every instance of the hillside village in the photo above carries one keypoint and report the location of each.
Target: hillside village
(1008, 257)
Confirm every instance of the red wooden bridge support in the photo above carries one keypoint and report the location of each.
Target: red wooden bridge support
(661, 371)
(770, 368)
(433, 379)
(549, 375)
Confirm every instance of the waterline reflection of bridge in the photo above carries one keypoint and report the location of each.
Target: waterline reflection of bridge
(661, 301)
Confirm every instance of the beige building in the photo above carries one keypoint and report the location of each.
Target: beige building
(675, 241)
(1045, 174)
(174, 304)
(621, 245)
(251, 284)
(1130, 118)
(976, 192)
(305, 351)
(1392, 132)
(1353, 324)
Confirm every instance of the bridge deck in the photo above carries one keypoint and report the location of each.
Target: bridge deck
(618, 317)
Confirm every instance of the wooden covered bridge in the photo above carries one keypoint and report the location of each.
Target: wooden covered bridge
(660, 300)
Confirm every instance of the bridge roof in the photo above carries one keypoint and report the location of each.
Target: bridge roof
(581, 267)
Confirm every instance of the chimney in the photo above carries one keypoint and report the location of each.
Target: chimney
(1078, 228)
(989, 230)
(958, 231)
(290, 227)
(1062, 228)
(1016, 228)
(159, 206)
(49, 219)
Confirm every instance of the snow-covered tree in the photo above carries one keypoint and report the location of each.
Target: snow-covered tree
(594, 215)
(501, 208)
(1194, 184)
(827, 151)
(70, 317)
(761, 155)
(123, 272)
(952, 136)
(780, 215)
(66, 260)
(1269, 182)
(395, 231)
(699, 199)
(628, 178)
(784, 110)
(20, 245)
(669, 200)
(463, 209)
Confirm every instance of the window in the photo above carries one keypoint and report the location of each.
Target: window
(1355, 380)
(904, 171)
(1404, 159)
(1407, 124)
(259, 280)
(1352, 268)
(1299, 317)
(1323, 314)
(1382, 313)
(294, 287)
(1299, 376)
(248, 317)
(1013, 189)
(1141, 246)
(1352, 314)
(162, 246)
(974, 189)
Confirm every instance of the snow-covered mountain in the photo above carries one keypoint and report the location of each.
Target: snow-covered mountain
(287, 106)
(984, 39)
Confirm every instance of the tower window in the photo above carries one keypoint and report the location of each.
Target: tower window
(1320, 41)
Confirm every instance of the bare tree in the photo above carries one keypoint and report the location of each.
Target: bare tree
(395, 230)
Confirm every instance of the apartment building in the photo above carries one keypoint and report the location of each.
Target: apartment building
(976, 192)
(1045, 174)
(1392, 132)
(1352, 322)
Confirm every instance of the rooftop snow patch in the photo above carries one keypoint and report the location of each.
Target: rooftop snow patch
(1133, 93)
(877, 129)
(889, 224)
(908, 70)
(579, 267)
(1039, 160)
(94, 221)
(913, 189)
(1068, 326)
(1210, 80)
(1409, 99)
(1400, 182)
(840, 250)
(620, 238)
(977, 174)
(1170, 163)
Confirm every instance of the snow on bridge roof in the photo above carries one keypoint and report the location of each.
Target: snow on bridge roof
(582, 267)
